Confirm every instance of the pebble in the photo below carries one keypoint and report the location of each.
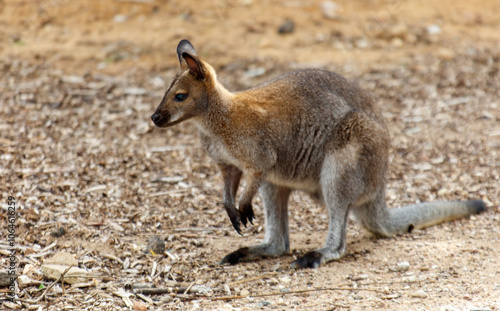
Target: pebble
(403, 266)
(244, 293)
(58, 232)
(263, 304)
(23, 281)
(433, 29)
(357, 297)
(156, 244)
(255, 72)
(11, 305)
(330, 10)
(446, 54)
(62, 258)
(419, 294)
(287, 27)
(400, 267)
(74, 275)
(120, 18)
(285, 280)
(4, 279)
(139, 306)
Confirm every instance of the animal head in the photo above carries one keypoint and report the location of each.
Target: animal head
(187, 96)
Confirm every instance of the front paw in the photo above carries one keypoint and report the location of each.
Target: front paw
(236, 256)
(246, 214)
(309, 260)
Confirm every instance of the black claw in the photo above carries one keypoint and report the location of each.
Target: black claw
(310, 260)
(246, 214)
(237, 226)
(234, 216)
(235, 257)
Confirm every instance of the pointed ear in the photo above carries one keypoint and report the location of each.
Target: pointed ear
(186, 51)
(194, 65)
(185, 46)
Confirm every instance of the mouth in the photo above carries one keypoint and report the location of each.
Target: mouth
(160, 120)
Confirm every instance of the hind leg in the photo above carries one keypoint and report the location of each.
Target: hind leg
(276, 240)
(341, 186)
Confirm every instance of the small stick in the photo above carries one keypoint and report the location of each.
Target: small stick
(153, 291)
(253, 279)
(320, 289)
(52, 285)
(287, 293)
(189, 287)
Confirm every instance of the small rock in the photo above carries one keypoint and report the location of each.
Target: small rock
(135, 91)
(74, 275)
(252, 73)
(397, 42)
(433, 29)
(156, 244)
(284, 290)
(419, 294)
(244, 293)
(391, 296)
(403, 266)
(58, 233)
(285, 279)
(263, 304)
(11, 305)
(287, 27)
(62, 258)
(357, 297)
(139, 306)
(23, 281)
(446, 54)
(5, 279)
(411, 279)
(73, 79)
(330, 10)
(227, 290)
(120, 18)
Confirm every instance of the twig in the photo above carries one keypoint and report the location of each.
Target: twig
(319, 290)
(189, 287)
(253, 279)
(286, 293)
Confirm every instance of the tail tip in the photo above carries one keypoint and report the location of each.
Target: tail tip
(478, 206)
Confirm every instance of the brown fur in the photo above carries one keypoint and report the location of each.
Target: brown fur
(309, 130)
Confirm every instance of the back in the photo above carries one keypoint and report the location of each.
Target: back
(303, 110)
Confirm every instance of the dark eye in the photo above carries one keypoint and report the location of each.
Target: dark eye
(180, 97)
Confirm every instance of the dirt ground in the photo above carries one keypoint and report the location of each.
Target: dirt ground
(80, 79)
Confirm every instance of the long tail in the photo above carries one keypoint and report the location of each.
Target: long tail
(383, 221)
(417, 216)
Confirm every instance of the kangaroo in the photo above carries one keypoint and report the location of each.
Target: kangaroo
(309, 130)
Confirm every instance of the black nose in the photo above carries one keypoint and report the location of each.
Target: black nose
(156, 117)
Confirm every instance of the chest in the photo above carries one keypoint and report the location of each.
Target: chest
(218, 150)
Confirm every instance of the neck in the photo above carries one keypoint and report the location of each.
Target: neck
(218, 112)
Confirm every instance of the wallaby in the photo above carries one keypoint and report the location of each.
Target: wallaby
(309, 130)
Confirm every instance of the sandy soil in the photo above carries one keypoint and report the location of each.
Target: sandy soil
(79, 80)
